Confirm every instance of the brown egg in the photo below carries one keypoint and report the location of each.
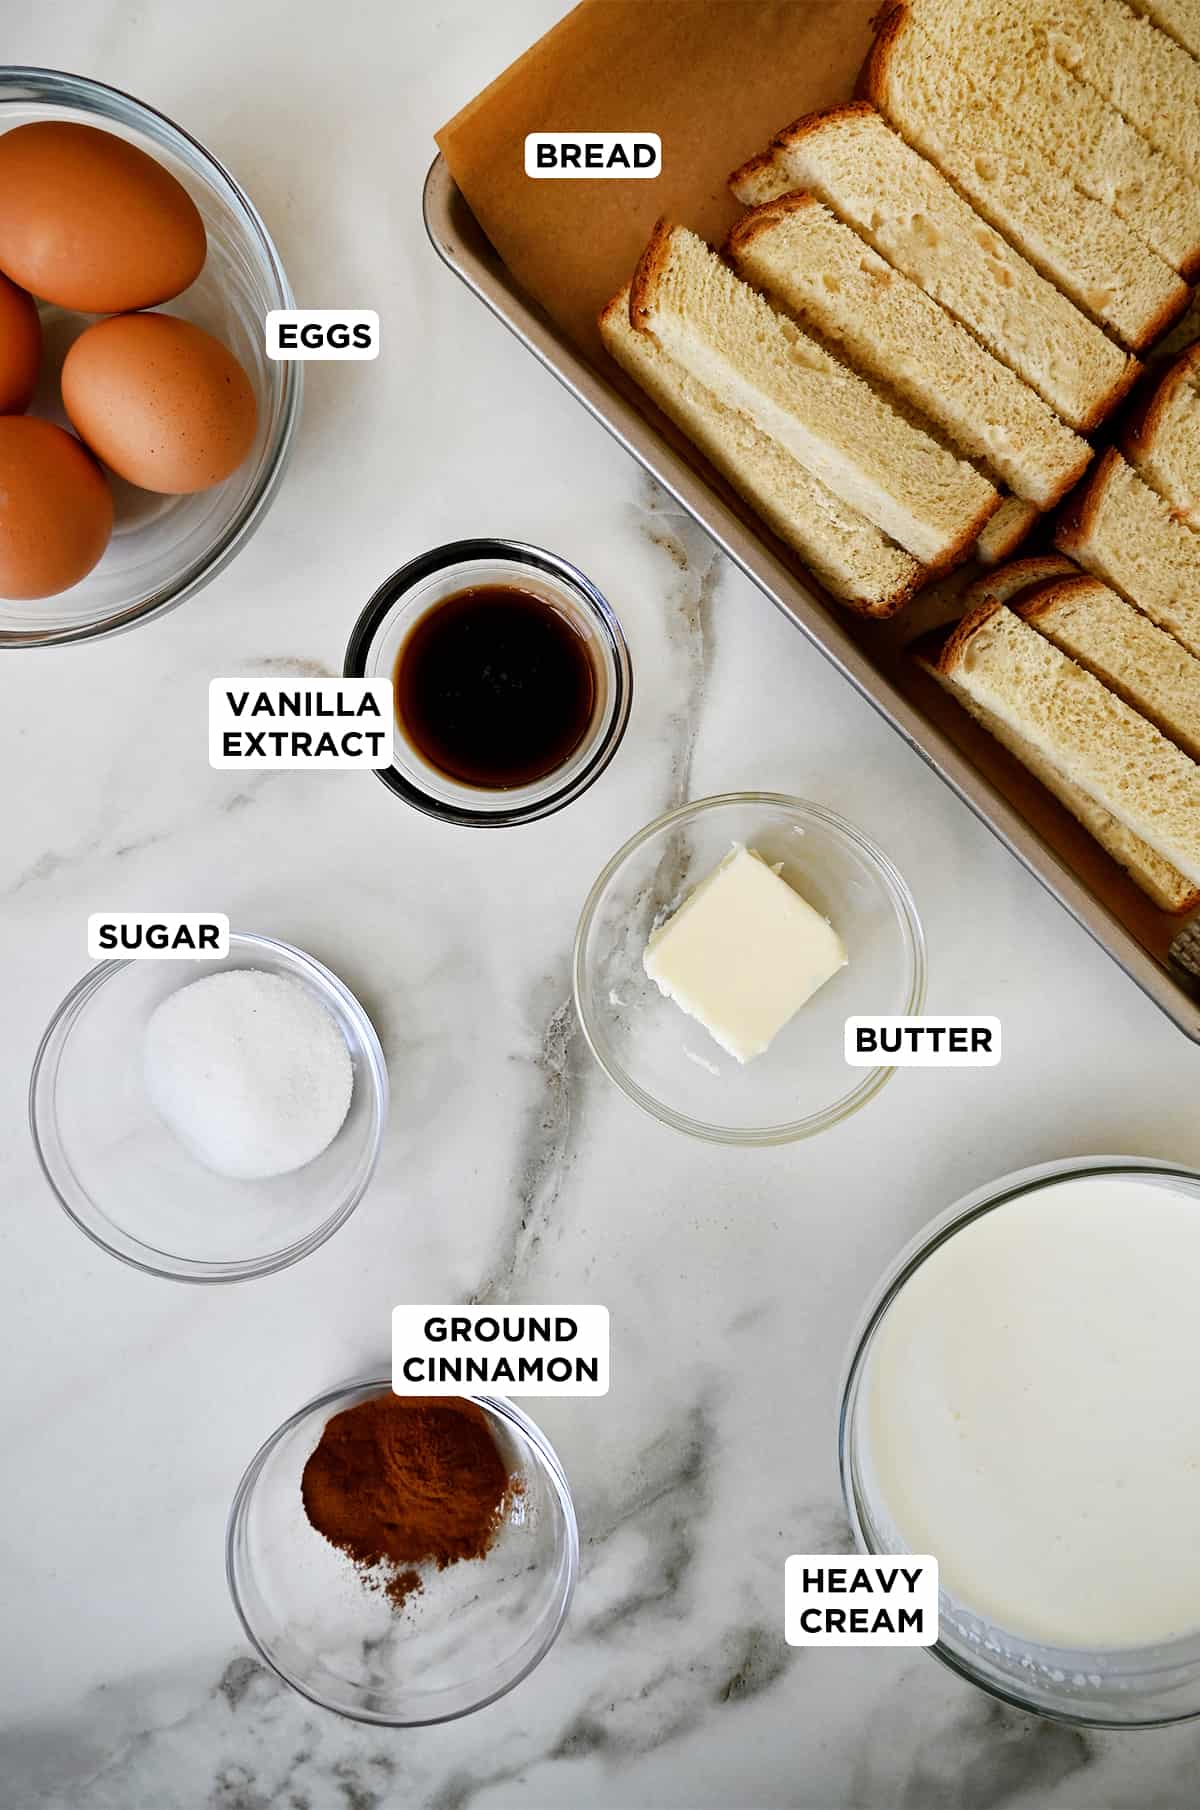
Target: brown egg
(163, 403)
(91, 222)
(56, 509)
(20, 348)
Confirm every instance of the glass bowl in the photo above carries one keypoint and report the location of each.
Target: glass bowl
(426, 581)
(128, 1182)
(665, 1061)
(1127, 1687)
(474, 1631)
(164, 548)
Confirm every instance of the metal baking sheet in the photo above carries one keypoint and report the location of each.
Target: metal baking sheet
(461, 243)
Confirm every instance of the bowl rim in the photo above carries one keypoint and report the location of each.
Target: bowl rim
(551, 796)
(900, 896)
(929, 1238)
(499, 1407)
(277, 454)
(202, 1271)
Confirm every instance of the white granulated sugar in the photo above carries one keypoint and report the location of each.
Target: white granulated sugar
(250, 1072)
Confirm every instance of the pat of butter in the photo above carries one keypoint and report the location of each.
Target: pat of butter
(743, 953)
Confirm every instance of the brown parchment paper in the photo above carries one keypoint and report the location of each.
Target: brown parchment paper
(716, 79)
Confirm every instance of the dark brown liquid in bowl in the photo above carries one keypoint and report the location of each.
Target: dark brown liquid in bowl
(495, 687)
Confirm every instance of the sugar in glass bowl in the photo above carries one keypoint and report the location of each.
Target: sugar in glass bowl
(165, 548)
(128, 1182)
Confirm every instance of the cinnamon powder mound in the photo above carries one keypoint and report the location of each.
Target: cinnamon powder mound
(400, 1481)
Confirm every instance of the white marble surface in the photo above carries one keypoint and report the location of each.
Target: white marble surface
(130, 1406)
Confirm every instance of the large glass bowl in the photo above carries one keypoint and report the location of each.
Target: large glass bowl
(1127, 1687)
(128, 1182)
(665, 1061)
(468, 1636)
(164, 548)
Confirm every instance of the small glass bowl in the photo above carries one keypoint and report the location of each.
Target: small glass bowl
(164, 548)
(128, 1182)
(665, 1061)
(426, 581)
(474, 1631)
(1132, 1687)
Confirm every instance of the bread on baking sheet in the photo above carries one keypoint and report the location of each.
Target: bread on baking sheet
(996, 51)
(904, 207)
(1011, 525)
(1126, 651)
(1128, 60)
(1073, 722)
(1180, 19)
(853, 560)
(1009, 582)
(1162, 883)
(1162, 439)
(1185, 333)
(827, 278)
(1092, 255)
(880, 462)
(1120, 530)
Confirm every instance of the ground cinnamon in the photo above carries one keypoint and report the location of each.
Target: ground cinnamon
(401, 1481)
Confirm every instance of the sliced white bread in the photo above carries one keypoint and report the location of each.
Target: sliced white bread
(1162, 439)
(853, 560)
(1078, 243)
(1180, 19)
(1087, 734)
(1126, 651)
(731, 340)
(1020, 575)
(1137, 67)
(827, 278)
(1080, 134)
(904, 207)
(947, 601)
(1012, 523)
(1161, 882)
(1120, 530)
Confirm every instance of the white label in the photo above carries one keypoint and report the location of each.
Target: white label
(894, 1041)
(500, 1350)
(581, 154)
(297, 334)
(159, 936)
(860, 1602)
(276, 723)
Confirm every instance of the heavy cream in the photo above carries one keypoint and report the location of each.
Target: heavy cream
(1032, 1403)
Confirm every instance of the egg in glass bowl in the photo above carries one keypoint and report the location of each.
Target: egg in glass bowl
(193, 365)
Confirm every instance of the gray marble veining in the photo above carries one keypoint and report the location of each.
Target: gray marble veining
(512, 1169)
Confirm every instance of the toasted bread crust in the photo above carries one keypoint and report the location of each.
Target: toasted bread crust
(1019, 533)
(1006, 582)
(645, 277)
(1074, 523)
(870, 84)
(1142, 427)
(1104, 408)
(955, 644)
(1047, 597)
(744, 231)
(1166, 317)
(799, 128)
